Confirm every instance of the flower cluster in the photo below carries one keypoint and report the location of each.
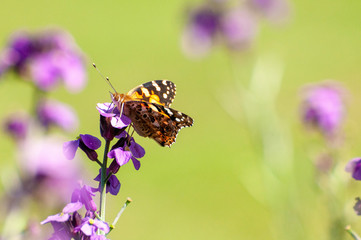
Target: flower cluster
(69, 223)
(46, 58)
(112, 125)
(234, 25)
(45, 175)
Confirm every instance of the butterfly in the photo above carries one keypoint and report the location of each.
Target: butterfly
(148, 107)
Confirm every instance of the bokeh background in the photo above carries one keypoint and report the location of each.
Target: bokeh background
(213, 183)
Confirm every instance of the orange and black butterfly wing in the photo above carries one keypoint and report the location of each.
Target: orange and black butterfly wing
(156, 121)
(160, 92)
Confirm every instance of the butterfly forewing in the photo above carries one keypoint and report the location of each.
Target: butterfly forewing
(161, 92)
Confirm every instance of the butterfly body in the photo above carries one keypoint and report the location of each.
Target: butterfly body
(148, 107)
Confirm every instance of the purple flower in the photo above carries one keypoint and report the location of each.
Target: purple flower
(86, 142)
(18, 51)
(274, 10)
(64, 223)
(354, 167)
(65, 214)
(52, 112)
(17, 126)
(111, 124)
(201, 30)
(84, 195)
(357, 206)
(323, 108)
(46, 57)
(127, 150)
(98, 237)
(215, 22)
(238, 28)
(112, 185)
(90, 226)
(42, 160)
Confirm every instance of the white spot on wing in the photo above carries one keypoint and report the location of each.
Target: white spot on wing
(168, 111)
(146, 92)
(165, 95)
(156, 85)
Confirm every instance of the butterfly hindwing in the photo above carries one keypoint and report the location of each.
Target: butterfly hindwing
(161, 92)
(156, 121)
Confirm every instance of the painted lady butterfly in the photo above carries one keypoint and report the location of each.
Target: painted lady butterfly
(148, 107)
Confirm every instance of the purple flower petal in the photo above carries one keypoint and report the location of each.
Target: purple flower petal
(114, 167)
(323, 107)
(137, 150)
(354, 167)
(53, 112)
(17, 126)
(122, 157)
(357, 206)
(69, 149)
(107, 109)
(98, 237)
(88, 229)
(90, 141)
(239, 29)
(120, 122)
(277, 11)
(72, 71)
(113, 185)
(101, 225)
(44, 71)
(136, 163)
(72, 207)
(89, 226)
(60, 217)
(85, 195)
(122, 135)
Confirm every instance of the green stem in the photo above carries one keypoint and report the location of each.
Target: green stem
(103, 181)
(112, 226)
(352, 233)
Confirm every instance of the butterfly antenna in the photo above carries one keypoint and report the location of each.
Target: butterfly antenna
(105, 78)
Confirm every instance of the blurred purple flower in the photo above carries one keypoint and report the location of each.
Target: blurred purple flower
(214, 22)
(17, 125)
(201, 30)
(51, 112)
(18, 51)
(357, 206)
(275, 11)
(42, 161)
(323, 108)
(46, 57)
(85, 142)
(238, 28)
(354, 167)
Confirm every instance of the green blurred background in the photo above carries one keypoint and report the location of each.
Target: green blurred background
(197, 189)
